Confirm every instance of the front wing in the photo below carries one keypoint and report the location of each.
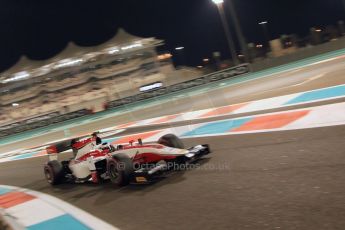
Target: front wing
(147, 173)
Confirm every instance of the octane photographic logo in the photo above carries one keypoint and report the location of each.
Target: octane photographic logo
(121, 166)
(214, 167)
(224, 166)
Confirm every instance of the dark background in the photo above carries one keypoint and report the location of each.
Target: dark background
(40, 29)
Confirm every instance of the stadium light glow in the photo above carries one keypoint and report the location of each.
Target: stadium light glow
(164, 56)
(113, 51)
(179, 48)
(263, 23)
(18, 76)
(42, 71)
(90, 55)
(218, 1)
(136, 45)
(153, 86)
(68, 62)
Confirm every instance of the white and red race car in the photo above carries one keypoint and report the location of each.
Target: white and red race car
(122, 164)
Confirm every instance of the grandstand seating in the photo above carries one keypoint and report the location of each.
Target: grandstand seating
(100, 77)
(36, 100)
(74, 92)
(65, 92)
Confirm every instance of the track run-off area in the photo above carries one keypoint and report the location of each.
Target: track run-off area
(277, 162)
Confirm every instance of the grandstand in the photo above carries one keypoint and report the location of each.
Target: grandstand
(84, 78)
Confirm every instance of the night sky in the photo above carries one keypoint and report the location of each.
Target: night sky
(40, 29)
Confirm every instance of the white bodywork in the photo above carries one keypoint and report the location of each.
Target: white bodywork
(82, 169)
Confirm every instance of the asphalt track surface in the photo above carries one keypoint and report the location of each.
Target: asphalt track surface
(277, 180)
(282, 180)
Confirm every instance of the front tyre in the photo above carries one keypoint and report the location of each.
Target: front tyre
(172, 141)
(54, 172)
(120, 169)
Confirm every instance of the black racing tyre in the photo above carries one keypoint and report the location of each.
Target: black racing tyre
(54, 172)
(120, 169)
(171, 140)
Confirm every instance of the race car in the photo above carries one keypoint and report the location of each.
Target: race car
(134, 162)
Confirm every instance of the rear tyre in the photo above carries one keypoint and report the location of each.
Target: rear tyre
(54, 172)
(120, 169)
(171, 140)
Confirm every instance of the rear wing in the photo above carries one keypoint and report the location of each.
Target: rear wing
(79, 147)
(60, 147)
